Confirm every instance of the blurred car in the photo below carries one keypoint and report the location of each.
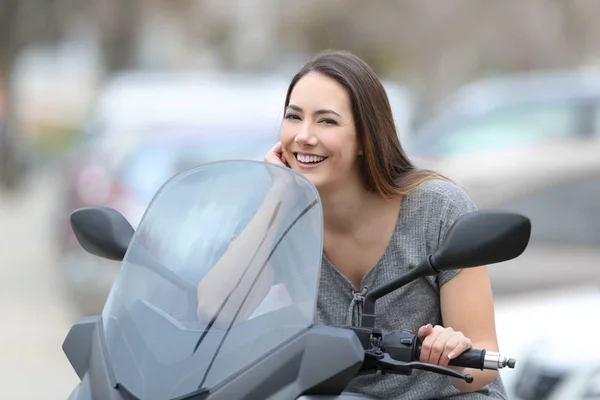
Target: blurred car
(557, 185)
(129, 104)
(511, 111)
(550, 333)
(531, 144)
(584, 383)
(131, 183)
(202, 117)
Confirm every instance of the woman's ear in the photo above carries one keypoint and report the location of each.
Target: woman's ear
(361, 147)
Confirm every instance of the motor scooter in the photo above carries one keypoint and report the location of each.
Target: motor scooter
(165, 333)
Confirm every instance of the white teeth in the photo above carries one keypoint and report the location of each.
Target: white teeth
(309, 159)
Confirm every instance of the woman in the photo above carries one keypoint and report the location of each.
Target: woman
(382, 215)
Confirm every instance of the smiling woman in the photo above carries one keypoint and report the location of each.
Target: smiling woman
(381, 216)
(307, 123)
(353, 103)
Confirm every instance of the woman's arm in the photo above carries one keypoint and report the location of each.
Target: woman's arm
(466, 300)
(467, 306)
(241, 263)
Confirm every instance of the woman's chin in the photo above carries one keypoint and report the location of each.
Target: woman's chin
(317, 182)
(312, 178)
(317, 179)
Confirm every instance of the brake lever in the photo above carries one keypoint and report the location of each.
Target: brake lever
(373, 363)
(392, 365)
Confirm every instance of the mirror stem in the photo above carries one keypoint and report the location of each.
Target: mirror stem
(422, 270)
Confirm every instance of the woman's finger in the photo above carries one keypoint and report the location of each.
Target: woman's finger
(439, 345)
(462, 344)
(424, 331)
(427, 345)
(275, 155)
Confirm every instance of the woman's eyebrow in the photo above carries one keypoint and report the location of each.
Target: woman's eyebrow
(327, 111)
(323, 111)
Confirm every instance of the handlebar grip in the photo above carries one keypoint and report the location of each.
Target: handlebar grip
(472, 358)
(403, 346)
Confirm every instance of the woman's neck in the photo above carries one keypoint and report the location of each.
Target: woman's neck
(346, 209)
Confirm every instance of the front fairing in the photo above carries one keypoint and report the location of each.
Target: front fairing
(171, 325)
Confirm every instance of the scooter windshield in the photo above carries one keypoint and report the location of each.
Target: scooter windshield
(223, 269)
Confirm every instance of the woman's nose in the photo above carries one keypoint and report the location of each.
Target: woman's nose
(306, 135)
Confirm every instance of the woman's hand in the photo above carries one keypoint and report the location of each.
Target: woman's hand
(276, 156)
(440, 345)
(281, 181)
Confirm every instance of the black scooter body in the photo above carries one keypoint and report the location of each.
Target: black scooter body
(316, 365)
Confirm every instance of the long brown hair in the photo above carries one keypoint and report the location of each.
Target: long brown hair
(384, 166)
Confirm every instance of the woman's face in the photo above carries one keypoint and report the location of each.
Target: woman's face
(318, 136)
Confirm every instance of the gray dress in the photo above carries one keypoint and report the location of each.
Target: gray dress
(425, 216)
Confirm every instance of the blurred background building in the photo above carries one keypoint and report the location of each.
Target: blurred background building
(101, 102)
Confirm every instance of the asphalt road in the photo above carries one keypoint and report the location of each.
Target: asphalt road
(34, 316)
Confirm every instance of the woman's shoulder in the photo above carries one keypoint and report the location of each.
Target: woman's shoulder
(439, 193)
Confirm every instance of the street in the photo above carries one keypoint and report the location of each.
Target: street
(35, 318)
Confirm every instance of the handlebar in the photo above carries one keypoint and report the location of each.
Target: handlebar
(399, 352)
(404, 346)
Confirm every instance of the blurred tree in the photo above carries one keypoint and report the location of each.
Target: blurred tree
(118, 23)
(22, 22)
(434, 49)
(438, 48)
(8, 11)
(44, 22)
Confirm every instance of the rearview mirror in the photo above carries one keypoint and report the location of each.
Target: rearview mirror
(102, 231)
(481, 238)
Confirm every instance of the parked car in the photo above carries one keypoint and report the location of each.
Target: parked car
(121, 160)
(511, 111)
(530, 143)
(582, 384)
(129, 185)
(129, 104)
(118, 163)
(546, 332)
(557, 185)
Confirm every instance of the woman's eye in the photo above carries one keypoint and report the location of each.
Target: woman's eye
(292, 116)
(328, 121)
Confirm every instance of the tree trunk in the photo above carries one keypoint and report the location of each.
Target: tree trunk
(119, 29)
